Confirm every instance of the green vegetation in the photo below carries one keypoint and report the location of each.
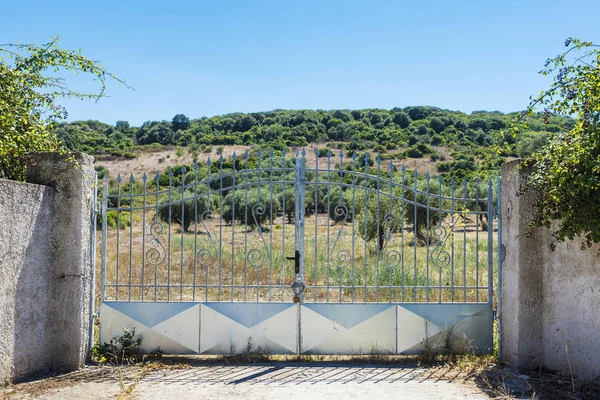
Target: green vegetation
(30, 85)
(410, 132)
(566, 173)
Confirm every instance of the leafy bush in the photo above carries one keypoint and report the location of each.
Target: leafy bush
(112, 217)
(414, 152)
(323, 153)
(102, 171)
(565, 173)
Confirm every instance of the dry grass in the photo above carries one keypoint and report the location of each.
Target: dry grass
(152, 161)
(363, 277)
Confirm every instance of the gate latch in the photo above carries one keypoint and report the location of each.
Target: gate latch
(298, 286)
(296, 258)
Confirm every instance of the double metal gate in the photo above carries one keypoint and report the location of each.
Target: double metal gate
(299, 255)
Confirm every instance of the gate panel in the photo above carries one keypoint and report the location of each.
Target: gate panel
(205, 249)
(298, 255)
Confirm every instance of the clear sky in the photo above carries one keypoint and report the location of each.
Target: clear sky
(204, 58)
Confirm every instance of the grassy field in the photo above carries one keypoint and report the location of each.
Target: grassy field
(241, 265)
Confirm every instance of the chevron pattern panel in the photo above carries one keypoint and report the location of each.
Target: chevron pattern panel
(227, 327)
(210, 328)
(170, 327)
(395, 329)
(348, 328)
(223, 328)
(463, 326)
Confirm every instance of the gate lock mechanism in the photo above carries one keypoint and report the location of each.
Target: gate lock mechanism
(298, 286)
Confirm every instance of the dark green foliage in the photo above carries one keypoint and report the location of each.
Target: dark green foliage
(401, 119)
(102, 171)
(182, 212)
(323, 153)
(418, 150)
(436, 124)
(411, 130)
(179, 122)
(257, 209)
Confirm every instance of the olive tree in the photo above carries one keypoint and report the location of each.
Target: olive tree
(183, 212)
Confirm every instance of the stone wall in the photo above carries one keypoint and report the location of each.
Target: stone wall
(550, 291)
(46, 268)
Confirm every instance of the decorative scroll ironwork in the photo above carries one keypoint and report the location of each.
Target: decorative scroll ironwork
(205, 256)
(157, 254)
(392, 258)
(223, 269)
(342, 258)
(440, 257)
(255, 256)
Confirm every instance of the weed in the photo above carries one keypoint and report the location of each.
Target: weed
(125, 349)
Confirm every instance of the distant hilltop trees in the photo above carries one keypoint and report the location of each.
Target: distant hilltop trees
(415, 130)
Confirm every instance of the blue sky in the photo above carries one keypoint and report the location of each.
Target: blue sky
(204, 58)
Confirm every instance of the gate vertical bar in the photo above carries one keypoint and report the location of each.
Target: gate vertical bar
(299, 214)
(103, 261)
(299, 242)
(94, 217)
(490, 228)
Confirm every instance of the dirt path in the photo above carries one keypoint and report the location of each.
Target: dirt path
(249, 382)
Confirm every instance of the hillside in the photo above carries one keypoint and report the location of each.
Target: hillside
(426, 138)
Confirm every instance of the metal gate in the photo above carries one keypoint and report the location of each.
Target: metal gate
(299, 255)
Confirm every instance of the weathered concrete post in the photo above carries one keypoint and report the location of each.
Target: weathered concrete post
(72, 270)
(522, 276)
(25, 280)
(550, 289)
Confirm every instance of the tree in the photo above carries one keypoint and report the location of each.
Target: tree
(289, 204)
(566, 173)
(401, 119)
(180, 121)
(31, 82)
(160, 133)
(419, 112)
(436, 124)
(417, 205)
(188, 205)
(377, 220)
(256, 210)
(122, 126)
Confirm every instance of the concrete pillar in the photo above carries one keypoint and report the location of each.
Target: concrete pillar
(26, 225)
(522, 271)
(71, 297)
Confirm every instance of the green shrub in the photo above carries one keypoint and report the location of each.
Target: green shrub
(111, 220)
(102, 171)
(414, 152)
(379, 149)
